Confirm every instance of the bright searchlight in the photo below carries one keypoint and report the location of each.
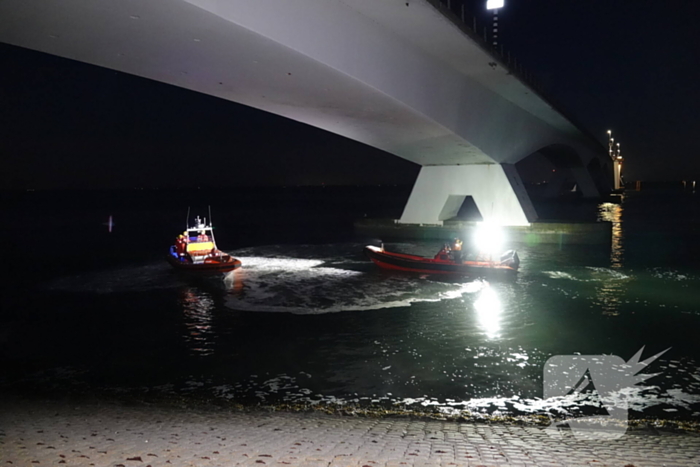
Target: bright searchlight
(489, 239)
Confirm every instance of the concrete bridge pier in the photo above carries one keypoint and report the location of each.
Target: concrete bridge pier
(496, 189)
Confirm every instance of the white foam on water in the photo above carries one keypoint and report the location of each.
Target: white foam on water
(671, 275)
(594, 274)
(608, 273)
(681, 398)
(287, 389)
(563, 275)
(589, 274)
(310, 286)
(631, 398)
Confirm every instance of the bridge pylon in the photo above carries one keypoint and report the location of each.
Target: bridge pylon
(496, 189)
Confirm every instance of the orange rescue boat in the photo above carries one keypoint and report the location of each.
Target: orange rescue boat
(195, 250)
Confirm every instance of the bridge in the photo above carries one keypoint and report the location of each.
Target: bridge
(405, 76)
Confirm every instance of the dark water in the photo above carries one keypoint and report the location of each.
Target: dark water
(309, 320)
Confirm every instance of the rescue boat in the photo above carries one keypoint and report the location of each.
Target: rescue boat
(195, 250)
(444, 263)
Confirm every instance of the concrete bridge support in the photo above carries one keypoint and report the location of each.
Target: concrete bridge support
(496, 189)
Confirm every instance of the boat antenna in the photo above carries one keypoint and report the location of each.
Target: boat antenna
(187, 220)
(211, 226)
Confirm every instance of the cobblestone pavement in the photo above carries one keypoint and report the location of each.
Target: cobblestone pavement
(36, 434)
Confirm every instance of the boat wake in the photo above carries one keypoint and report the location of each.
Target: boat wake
(588, 274)
(314, 286)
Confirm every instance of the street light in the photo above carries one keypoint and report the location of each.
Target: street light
(617, 161)
(616, 156)
(495, 5)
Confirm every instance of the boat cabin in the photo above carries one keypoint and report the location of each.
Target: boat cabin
(200, 239)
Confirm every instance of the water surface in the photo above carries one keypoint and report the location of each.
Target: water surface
(310, 320)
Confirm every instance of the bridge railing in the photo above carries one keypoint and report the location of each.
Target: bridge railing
(483, 34)
(459, 14)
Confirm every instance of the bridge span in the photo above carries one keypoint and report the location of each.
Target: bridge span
(404, 76)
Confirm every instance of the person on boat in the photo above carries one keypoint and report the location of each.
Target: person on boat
(457, 250)
(180, 245)
(444, 253)
(202, 237)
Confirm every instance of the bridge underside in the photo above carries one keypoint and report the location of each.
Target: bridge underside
(320, 63)
(404, 79)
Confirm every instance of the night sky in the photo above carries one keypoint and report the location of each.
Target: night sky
(632, 66)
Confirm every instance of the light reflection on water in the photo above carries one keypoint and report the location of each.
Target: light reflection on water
(197, 307)
(488, 310)
(611, 291)
(612, 212)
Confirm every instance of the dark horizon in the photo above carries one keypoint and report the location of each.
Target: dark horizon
(630, 185)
